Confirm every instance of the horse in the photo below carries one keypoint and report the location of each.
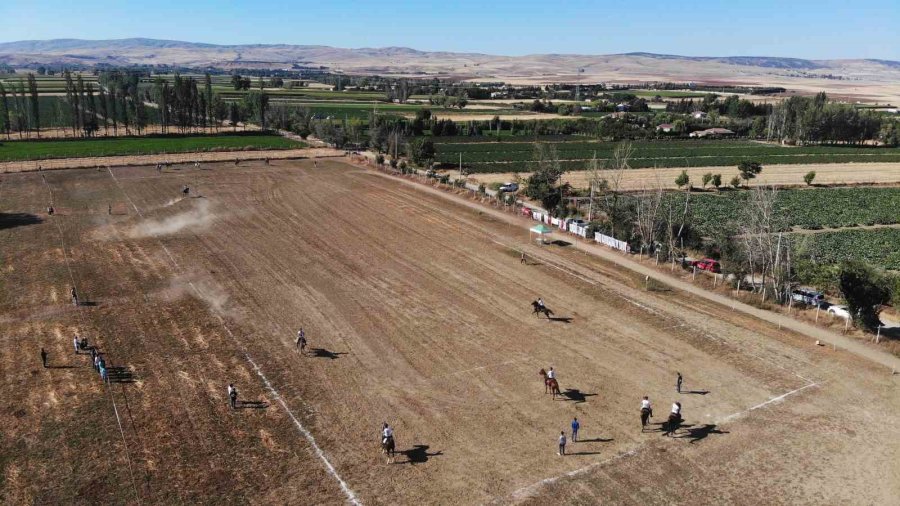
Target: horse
(646, 413)
(672, 423)
(550, 384)
(539, 309)
(387, 448)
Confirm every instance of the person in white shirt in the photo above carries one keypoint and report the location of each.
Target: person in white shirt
(676, 409)
(540, 302)
(646, 412)
(387, 433)
(76, 343)
(562, 443)
(551, 374)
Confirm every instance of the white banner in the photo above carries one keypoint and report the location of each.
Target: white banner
(612, 242)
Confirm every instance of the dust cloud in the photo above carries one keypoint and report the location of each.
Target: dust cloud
(194, 219)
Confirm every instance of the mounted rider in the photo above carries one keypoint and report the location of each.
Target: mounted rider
(387, 434)
(540, 303)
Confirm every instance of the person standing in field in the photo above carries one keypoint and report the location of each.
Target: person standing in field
(522, 258)
(232, 395)
(678, 382)
(74, 296)
(562, 443)
(44, 357)
(575, 427)
(76, 343)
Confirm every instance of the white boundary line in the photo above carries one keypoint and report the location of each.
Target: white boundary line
(106, 386)
(351, 496)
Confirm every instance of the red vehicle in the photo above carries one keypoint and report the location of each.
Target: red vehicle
(526, 211)
(707, 264)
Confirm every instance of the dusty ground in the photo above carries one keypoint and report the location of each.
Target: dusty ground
(416, 310)
(782, 175)
(175, 158)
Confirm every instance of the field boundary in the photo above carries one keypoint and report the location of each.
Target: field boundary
(345, 488)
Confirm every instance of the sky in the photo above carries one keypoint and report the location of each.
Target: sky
(794, 28)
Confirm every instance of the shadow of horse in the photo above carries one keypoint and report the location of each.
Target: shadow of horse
(702, 432)
(12, 220)
(564, 319)
(418, 454)
(323, 353)
(573, 394)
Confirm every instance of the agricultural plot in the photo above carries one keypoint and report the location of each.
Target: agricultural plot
(880, 247)
(80, 148)
(416, 310)
(809, 209)
(485, 157)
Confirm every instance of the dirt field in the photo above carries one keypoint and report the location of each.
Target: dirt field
(782, 175)
(417, 313)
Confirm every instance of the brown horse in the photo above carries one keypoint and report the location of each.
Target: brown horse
(538, 310)
(387, 448)
(550, 384)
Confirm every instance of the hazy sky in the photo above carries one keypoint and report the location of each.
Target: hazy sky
(798, 28)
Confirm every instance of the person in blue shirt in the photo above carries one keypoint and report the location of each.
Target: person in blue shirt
(575, 427)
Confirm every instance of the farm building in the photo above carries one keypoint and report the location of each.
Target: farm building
(713, 132)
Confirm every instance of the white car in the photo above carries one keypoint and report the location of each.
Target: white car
(839, 311)
(509, 187)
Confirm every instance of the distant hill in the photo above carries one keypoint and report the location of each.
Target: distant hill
(536, 68)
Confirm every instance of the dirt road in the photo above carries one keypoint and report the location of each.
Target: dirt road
(781, 175)
(417, 313)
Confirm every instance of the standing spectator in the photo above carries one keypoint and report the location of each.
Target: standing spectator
(562, 443)
(232, 395)
(522, 258)
(44, 357)
(575, 427)
(77, 344)
(678, 382)
(74, 297)
(104, 376)
(97, 362)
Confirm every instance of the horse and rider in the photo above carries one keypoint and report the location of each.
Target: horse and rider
(388, 446)
(646, 412)
(674, 420)
(551, 385)
(539, 308)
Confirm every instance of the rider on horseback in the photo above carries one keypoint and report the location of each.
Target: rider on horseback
(387, 434)
(540, 303)
(551, 374)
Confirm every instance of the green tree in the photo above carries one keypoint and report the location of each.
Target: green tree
(865, 291)
(543, 184)
(707, 178)
(736, 182)
(809, 177)
(421, 151)
(716, 180)
(749, 169)
(4, 111)
(35, 104)
(683, 179)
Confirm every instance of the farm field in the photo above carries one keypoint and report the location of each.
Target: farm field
(77, 148)
(813, 208)
(483, 157)
(780, 175)
(875, 246)
(417, 313)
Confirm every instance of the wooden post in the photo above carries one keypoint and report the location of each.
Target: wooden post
(818, 306)
(878, 335)
(694, 274)
(647, 283)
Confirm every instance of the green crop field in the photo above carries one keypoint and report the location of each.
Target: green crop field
(484, 157)
(77, 148)
(808, 208)
(877, 246)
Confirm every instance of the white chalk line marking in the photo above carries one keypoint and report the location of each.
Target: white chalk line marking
(351, 496)
(529, 490)
(107, 387)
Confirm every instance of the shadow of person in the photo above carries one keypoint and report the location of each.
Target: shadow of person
(696, 392)
(418, 454)
(251, 405)
(702, 432)
(595, 440)
(323, 353)
(573, 394)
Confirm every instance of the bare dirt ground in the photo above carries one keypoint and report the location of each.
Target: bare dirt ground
(781, 175)
(417, 313)
(176, 158)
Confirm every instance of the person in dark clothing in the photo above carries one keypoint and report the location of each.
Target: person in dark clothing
(678, 382)
(44, 357)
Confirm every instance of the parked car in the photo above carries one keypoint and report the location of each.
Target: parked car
(808, 297)
(707, 264)
(839, 311)
(509, 187)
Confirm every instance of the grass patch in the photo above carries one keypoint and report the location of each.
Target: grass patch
(85, 148)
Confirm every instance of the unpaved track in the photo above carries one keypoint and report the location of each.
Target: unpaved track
(417, 309)
(177, 158)
(781, 175)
